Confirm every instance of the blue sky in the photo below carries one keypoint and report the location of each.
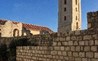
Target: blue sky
(40, 12)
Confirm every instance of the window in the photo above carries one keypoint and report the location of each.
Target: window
(76, 18)
(77, 25)
(64, 18)
(16, 33)
(76, 9)
(65, 1)
(65, 9)
(0, 34)
(76, 2)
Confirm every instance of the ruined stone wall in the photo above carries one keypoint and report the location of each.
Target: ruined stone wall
(72, 46)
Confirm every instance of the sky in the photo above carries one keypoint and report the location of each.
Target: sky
(40, 12)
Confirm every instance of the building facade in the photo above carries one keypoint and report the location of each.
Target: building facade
(69, 15)
(16, 29)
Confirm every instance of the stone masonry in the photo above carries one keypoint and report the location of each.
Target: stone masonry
(75, 46)
(79, 45)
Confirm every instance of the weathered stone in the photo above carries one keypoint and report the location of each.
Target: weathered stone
(73, 38)
(96, 55)
(89, 54)
(86, 42)
(78, 48)
(76, 43)
(62, 48)
(65, 43)
(67, 48)
(81, 42)
(75, 54)
(91, 42)
(77, 32)
(69, 53)
(84, 59)
(73, 48)
(81, 54)
(87, 48)
(68, 38)
(87, 37)
(70, 42)
(94, 48)
(96, 42)
(78, 59)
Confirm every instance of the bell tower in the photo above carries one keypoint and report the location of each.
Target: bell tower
(69, 15)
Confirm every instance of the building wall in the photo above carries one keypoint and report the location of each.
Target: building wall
(35, 32)
(70, 12)
(74, 46)
(92, 20)
(81, 45)
(7, 30)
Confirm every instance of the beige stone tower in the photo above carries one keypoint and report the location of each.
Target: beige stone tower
(69, 15)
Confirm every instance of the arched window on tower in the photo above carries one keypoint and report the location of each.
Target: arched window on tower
(16, 33)
(76, 2)
(77, 26)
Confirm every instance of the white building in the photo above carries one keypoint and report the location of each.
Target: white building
(15, 29)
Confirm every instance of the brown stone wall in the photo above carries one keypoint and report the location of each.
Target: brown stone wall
(92, 20)
(73, 46)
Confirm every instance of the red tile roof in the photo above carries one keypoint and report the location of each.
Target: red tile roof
(29, 26)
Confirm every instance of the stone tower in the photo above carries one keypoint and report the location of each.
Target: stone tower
(69, 15)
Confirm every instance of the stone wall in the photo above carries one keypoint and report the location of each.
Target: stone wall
(72, 46)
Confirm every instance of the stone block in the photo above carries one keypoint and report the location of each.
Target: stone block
(73, 48)
(73, 38)
(76, 43)
(95, 36)
(96, 55)
(70, 42)
(67, 48)
(59, 44)
(68, 38)
(77, 32)
(89, 54)
(81, 54)
(81, 43)
(55, 44)
(56, 48)
(69, 54)
(94, 59)
(86, 42)
(91, 42)
(96, 42)
(79, 38)
(62, 48)
(64, 43)
(94, 48)
(78, 59)
(87, 48)
(75, 54)
(78, 48)
(87, 37)
(61, 39)
(84, 59)
(64, 53)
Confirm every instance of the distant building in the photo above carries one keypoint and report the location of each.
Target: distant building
(69, 15)
(15, 29)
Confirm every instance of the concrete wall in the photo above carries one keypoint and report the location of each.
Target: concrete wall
(73, 46)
